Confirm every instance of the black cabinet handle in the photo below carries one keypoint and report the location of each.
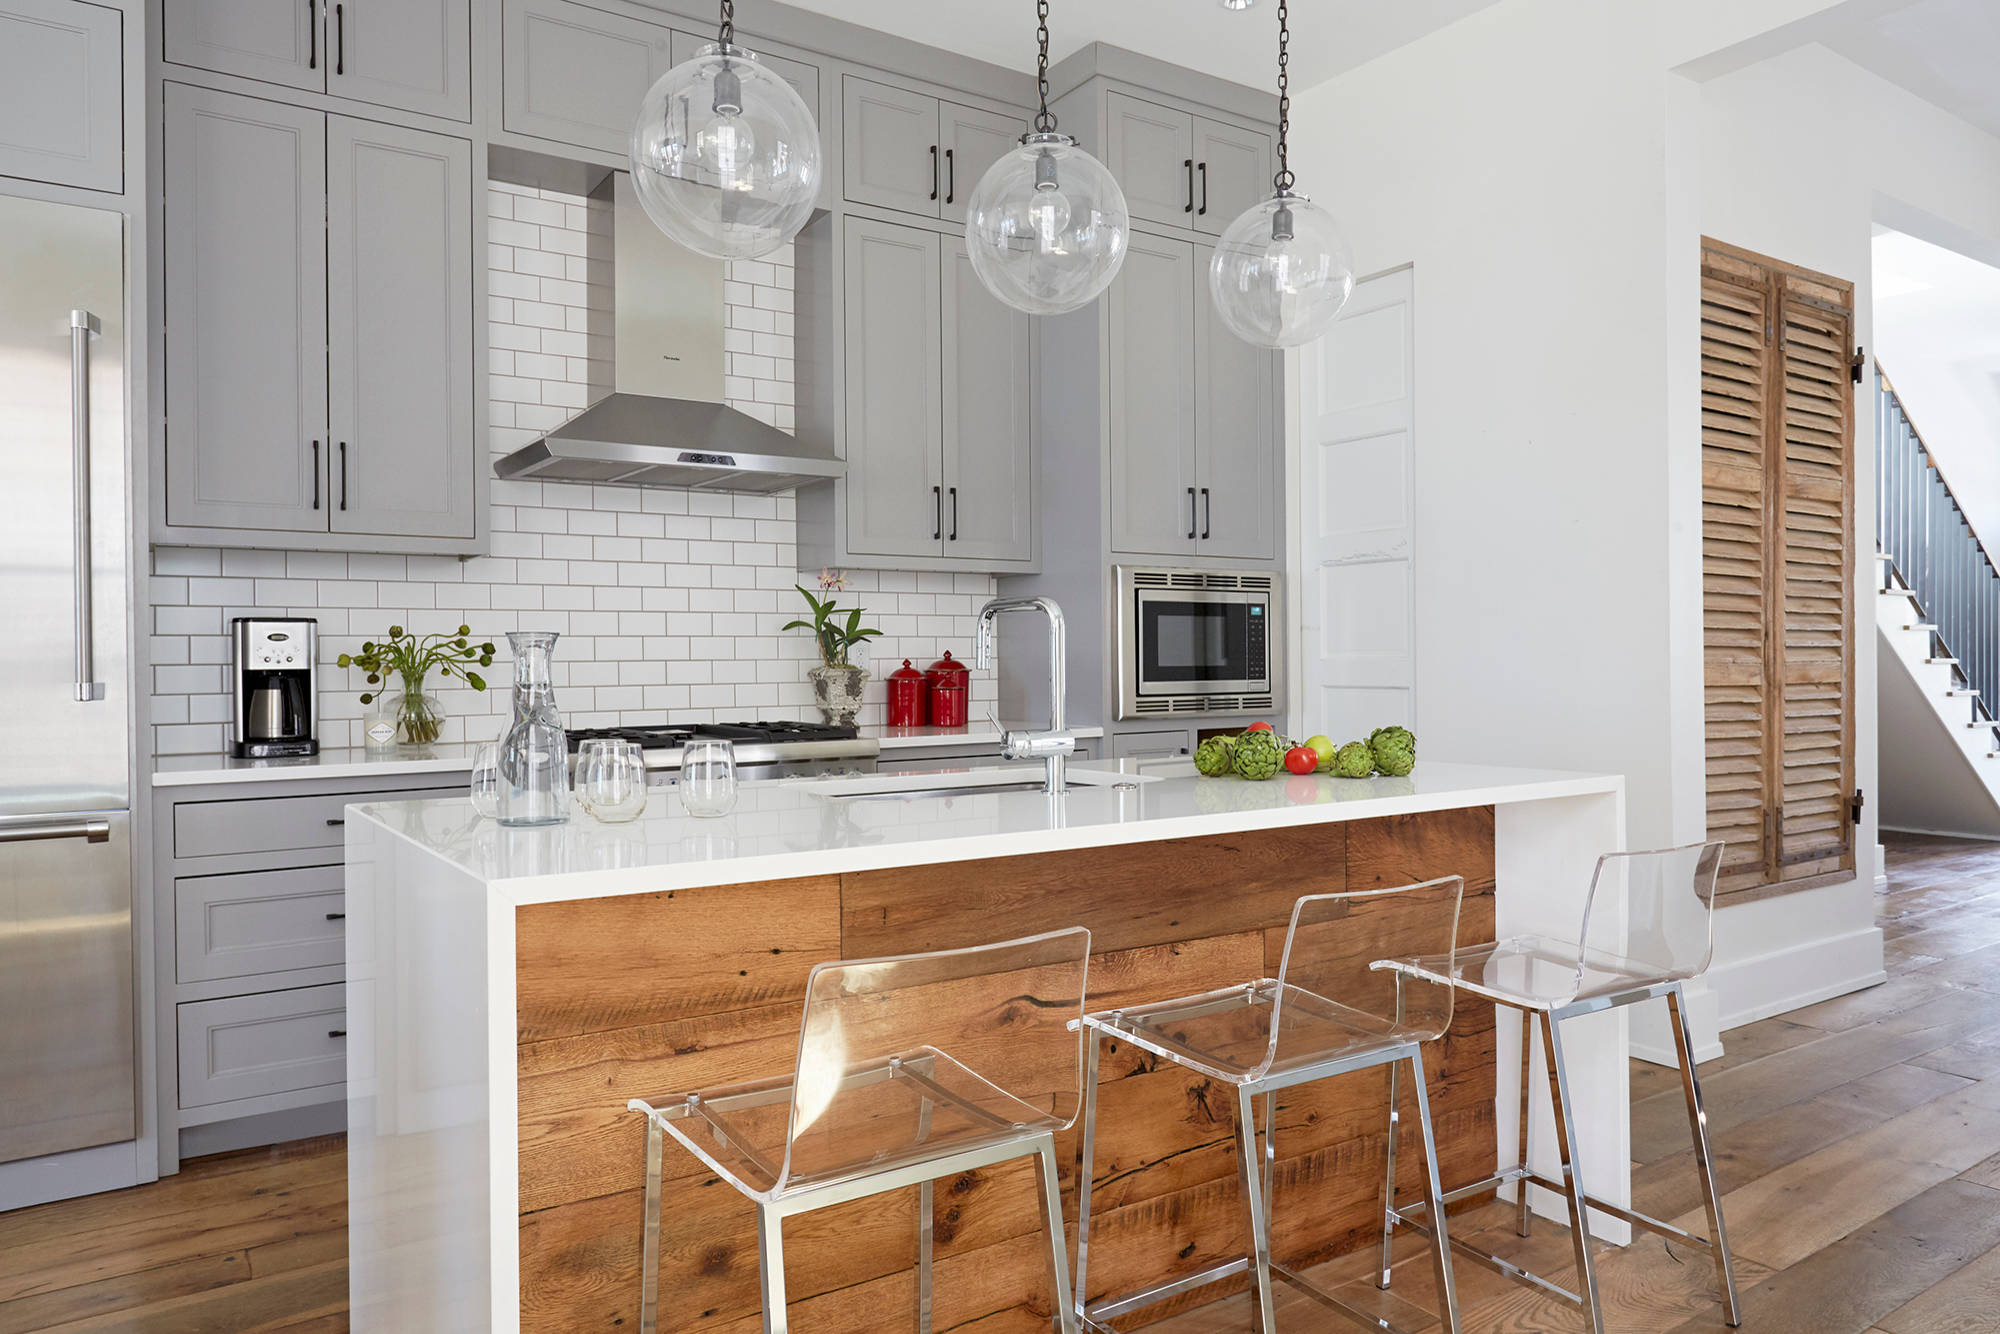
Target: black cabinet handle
(934, 174)
(336, 1032)
(315, 474)
(1190, 172)
(336, 823)
(937, 523)
(1203, 210)
(312, 34)
(343, 475)
(954, 514)
(1206, 513)
(950, 176)
(1191, 523)
(340, 47)
(336, 917)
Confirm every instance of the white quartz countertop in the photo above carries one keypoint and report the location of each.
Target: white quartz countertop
(796, 827)
(458, 758)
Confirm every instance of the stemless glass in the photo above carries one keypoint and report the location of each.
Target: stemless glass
(708, 778)
(485, 785)
(611, 781)
(586, 751)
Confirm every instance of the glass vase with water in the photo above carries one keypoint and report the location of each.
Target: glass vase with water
(534, 755)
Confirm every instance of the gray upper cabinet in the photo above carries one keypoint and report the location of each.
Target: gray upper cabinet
(1232, 172)
(1151, 347)
(804, 79)
(895, 483)
(61, 93)
(258, 39)
(411, 54)
(577, 75)
(892, 157)
(1150, 149)
(989, 408)
(1236, 450)
(246, 442)
(972, 141)
(399, 320)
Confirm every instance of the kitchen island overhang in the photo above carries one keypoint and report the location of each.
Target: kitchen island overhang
(508, 991)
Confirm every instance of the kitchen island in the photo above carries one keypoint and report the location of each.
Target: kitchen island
(509, 990)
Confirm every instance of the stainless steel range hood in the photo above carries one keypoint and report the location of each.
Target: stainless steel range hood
(664, 424)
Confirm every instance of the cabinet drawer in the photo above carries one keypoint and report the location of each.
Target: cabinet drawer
(275, 824)
(250, 1046)
(258, 922)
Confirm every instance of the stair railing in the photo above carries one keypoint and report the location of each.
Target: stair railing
(1936, 555)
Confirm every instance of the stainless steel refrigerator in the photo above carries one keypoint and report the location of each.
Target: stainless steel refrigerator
(68, 1062)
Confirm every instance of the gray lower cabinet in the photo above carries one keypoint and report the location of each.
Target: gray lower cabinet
(1162, 744)
(245, 1047)
(320, 345)
(62, 100)
(577, 75)
(414, 55)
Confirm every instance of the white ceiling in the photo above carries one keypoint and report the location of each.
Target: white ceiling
(1945, 51)
(1329, 37)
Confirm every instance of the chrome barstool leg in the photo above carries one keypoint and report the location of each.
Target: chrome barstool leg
(1711, 1194)
(649, 1277)
(1085, 1151)
(1572, 1175)
(1434, 1193)
(1389, 1190)
(771, 1268)
(1052, 1223)
(1249, 1170)
(1524, 1201)
(924, 1257)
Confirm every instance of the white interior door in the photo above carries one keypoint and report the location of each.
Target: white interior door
(1357, 423)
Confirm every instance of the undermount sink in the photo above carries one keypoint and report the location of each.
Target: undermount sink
(969, 782)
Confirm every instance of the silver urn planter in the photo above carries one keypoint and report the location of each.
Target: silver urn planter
(837, 692)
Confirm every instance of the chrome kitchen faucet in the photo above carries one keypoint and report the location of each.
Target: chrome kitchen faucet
(1054, 746)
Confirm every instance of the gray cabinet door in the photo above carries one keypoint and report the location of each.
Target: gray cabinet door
(577, 75)
(1150, 149)
(62, 98)
(895, 486)
(412, 54)
(399, 320)
(971, 141)
(277, 41)
(1151, 355)
(1236, 434)
(989, 411)
(1232, 172)
(891, 155)
(246, 442)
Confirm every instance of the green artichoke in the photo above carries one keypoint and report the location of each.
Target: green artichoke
(1354, 760)
(1257, 755)
(1394, 761)
(1396, 736)
(1215, 757)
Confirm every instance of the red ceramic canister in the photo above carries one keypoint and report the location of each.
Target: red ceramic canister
(950, 692)
(909, 702)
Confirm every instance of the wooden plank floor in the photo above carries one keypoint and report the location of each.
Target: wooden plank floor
(1858, 1142)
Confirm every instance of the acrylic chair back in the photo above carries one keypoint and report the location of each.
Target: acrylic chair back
(902, 1059)
(1652, 912)
(1332, 995)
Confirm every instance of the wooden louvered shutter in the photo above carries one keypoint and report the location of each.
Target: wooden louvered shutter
(1777, 561)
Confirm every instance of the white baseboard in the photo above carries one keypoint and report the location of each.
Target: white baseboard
(1732, 995)
(1882, 876)
(1881, 869)
(62, 1176)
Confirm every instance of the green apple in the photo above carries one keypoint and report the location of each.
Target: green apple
(1324, 748)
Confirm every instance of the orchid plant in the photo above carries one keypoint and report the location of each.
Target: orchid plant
(836, 638)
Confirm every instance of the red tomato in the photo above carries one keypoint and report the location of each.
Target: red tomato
(1258, 727)
(1302, 759)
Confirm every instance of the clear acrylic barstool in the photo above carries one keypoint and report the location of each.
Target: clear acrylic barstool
(1648, 926)
(909, 1069)
(1332, 1010)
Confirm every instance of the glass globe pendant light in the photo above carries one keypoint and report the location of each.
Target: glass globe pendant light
(1281, 272)
(1047, 226)
(725, 153)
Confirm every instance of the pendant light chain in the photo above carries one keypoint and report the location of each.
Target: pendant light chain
(1045, 121)
(1284, 180)
(727, 36)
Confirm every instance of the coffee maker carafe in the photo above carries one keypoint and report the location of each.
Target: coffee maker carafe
(275, 687)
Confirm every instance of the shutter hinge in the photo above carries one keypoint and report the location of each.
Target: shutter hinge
(1860, 359)
(1854, 806)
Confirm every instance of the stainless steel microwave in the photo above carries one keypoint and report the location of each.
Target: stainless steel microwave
(1197, 641)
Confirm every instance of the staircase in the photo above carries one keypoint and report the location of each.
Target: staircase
(1937, 612)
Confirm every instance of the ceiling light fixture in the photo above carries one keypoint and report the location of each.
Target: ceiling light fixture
(1047, 226)
(1238, 4)
(1281, 272)
(725, 153)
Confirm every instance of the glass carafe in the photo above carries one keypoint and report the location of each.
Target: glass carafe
(534, 755)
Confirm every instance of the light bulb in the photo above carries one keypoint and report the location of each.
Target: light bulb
(727, 145)
(1050, 213)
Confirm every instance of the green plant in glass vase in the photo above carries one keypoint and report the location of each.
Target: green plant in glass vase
(837, 682)
(411, 658)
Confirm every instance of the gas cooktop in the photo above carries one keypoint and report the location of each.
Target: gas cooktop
(672, 736)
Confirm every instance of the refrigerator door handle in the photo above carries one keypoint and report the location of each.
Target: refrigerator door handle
(83, 326)
(90, 831)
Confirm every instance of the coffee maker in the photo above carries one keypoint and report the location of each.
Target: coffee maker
(275, 687)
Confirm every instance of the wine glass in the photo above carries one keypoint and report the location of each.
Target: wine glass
(708, 778)
(611, 780)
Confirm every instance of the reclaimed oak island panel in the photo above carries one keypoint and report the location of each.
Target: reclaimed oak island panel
(644, 994)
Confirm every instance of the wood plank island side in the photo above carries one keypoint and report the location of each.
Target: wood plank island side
(700, 987)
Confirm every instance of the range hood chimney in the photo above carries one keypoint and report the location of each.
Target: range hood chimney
(664, 423)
